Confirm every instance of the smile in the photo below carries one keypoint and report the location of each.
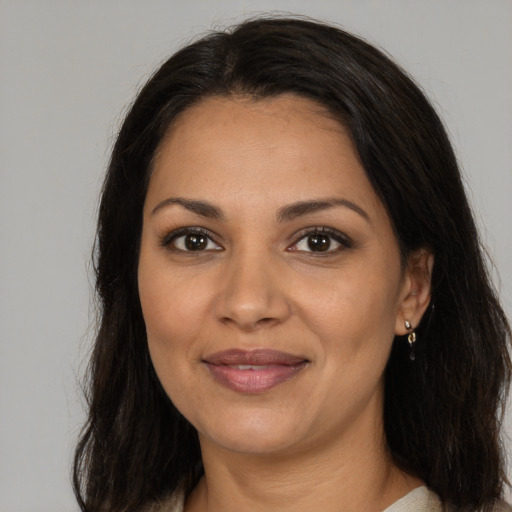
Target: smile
(253, 371)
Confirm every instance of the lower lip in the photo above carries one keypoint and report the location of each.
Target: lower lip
(254, 381)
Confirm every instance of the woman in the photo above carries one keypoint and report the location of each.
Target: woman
(295, 308)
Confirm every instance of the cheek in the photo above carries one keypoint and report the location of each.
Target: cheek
(171, 304)
(170, 337)
(171, 310)
(357, 304)
(353, 317)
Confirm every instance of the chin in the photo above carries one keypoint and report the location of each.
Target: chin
(256, 435)
(253, 444)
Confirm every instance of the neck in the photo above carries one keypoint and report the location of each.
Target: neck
(353, 475)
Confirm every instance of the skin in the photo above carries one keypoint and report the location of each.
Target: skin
(317, 439)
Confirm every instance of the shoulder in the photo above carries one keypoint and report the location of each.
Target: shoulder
(423, 499)
(420, 499)
(173, 503)
(501, 506)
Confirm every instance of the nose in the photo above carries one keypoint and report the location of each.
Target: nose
(251, 294)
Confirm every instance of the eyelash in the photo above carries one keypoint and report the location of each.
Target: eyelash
(343, 240)
(169, 240)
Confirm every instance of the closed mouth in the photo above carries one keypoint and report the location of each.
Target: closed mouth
(253, 371)
(256, 357)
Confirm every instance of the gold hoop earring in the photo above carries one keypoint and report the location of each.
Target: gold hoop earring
(411, 338)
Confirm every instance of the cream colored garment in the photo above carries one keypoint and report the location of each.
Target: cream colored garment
(420, 499)
(175, 504)
(423, 499)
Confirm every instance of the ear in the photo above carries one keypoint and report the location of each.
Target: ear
(416, 288)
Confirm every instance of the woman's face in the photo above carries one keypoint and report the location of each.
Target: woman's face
(269, 276)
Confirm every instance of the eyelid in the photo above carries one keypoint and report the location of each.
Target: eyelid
(341, 238)
(167, 240)
(344, 240)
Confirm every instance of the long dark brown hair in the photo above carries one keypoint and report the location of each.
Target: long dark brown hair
(442, 411)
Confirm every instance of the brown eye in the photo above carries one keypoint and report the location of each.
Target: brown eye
(319, 243)
(190, 240)
(322, 240)
(195, 242)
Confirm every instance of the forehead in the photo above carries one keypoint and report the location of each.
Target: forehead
(287, 148)
(286, 108)
(245, 119)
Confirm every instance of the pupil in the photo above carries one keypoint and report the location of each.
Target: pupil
(319, 242)
(195, 242)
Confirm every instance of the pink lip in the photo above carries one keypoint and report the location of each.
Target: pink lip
(276, 367)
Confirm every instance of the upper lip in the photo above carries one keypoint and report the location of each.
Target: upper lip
(253, 357)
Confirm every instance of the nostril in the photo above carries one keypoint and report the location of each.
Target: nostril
(265, 321)
(250, 325)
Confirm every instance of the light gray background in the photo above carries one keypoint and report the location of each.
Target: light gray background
(67, 71)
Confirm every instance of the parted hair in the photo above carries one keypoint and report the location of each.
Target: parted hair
(442, 411)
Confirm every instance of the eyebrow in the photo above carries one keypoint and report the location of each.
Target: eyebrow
(300, 208)
(202, 208)
(284, 214)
